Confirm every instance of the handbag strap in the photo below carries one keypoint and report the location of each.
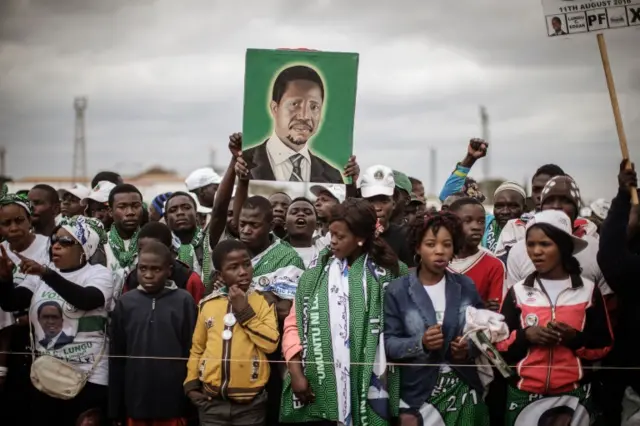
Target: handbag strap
(86, 375)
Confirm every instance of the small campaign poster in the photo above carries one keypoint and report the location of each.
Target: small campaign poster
(299, 107)
(565, 17)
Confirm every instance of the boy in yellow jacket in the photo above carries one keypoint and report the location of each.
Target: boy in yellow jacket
(227, 369)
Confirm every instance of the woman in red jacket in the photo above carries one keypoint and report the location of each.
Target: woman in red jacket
(558, 324)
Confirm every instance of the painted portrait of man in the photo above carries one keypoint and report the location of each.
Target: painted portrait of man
(296, 110)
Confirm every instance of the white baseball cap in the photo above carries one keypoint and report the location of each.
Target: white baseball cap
(336, 191)
(79, 191)
(202, 177)
(101, 191)
(559, 220)
(377, 180)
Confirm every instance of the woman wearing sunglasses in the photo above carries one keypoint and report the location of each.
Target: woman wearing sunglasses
(67, 302)
(17, 236)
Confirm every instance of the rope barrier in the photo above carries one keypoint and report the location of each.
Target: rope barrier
(394, 364)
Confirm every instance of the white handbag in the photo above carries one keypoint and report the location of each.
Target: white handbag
(56, 378)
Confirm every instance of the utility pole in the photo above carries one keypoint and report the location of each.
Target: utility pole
(79, 145)
(434, 172)
(484, 119)
(3, 164)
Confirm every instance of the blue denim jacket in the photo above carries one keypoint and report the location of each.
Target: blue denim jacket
(408, 312)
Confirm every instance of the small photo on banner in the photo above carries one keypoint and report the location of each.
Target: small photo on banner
(557, 25)
(299, 107)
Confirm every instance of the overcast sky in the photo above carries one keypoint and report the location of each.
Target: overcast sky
(164, 81)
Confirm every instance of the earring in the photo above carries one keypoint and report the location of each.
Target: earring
(416, 259)
(359, 243)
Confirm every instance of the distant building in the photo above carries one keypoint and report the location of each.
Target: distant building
(153, 181)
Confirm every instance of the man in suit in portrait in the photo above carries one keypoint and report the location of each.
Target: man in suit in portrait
(556, 24)
(296, 108)
(51, 320)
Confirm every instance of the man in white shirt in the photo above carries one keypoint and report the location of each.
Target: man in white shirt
(296, 107)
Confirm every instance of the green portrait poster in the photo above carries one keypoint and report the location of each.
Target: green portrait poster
(299, 107)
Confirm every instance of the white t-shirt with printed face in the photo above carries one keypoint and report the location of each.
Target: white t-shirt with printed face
(38, 251)
(438, 297)
(62, 331)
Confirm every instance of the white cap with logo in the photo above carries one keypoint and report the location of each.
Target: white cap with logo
(101, 191)
(377, 180)
(559, 220)
(78, 191)
(336, 191)
(202, 177)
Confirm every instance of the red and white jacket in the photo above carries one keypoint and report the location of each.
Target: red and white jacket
(582, 307)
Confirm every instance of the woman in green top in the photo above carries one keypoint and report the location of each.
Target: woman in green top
(333, 335)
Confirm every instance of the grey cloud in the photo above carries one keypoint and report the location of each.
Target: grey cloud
(164, 81)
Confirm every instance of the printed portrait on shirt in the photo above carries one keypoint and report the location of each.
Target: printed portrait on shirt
(51, 320)
(299, 107)
(63, 331)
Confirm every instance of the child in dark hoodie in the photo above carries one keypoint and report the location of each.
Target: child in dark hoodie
(151, 331)
(182, 276)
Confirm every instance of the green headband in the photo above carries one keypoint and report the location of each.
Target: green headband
(19, 200)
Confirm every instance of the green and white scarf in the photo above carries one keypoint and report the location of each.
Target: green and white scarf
(125, 257)
(361, 393)
(277, 269)
(187, 254)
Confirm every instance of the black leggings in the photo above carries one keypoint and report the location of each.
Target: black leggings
(52, 411)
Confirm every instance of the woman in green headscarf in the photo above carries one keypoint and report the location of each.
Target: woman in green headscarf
(333, 340)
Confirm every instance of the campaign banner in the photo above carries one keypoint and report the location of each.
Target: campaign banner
(299, 107)
(565, 17)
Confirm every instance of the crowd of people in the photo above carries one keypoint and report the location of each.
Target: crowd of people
(361, 307)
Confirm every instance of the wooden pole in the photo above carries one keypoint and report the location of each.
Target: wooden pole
(622, 137)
